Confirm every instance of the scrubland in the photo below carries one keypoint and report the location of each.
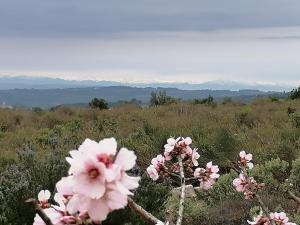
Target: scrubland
(33, 145)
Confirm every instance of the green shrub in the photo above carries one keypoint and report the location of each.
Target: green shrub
(294, 179)
(98, 103)
(161, 98)
(295, 93)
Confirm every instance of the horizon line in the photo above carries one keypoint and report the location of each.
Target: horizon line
(144, 82)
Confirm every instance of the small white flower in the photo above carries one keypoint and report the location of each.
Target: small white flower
(44, 195)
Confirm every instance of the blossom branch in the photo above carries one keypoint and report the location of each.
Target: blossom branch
(182, 196)
(39, 211)
(142, 212)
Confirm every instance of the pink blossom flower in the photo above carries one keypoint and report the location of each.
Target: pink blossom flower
(187, 141)
(281, 218)
(65, 186)
(88, 174)
(61, 201)
(125, 160)
(184, 141)
(179, 146)
(158, 162)
(259, 220)
(168, 156)
(245, 159)
(95, 164)
(169, 147)
(185, 149)
(212, 170)
(240, 183)
(208, 176)
(199, 172)
(195, 156)
(207, 184)
(171, 143)
(152, 172)
(98, 209)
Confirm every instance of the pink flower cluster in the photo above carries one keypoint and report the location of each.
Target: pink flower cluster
(244, 183)
(181, 147)
(97, 183)
(248, 185)
(208, 176)
(57, 212)
(277, 218)
(245, 160)
(260, 220)
(167, 164)
(157, 166)
(281, 218)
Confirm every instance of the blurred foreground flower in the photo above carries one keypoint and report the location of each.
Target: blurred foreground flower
(97, 184)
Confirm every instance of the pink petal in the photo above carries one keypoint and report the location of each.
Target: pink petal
(126, 159)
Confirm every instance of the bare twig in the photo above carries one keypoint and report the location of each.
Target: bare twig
(264, 208)
(295, 198)
(142, 212)
(39, 211)
(192, 178)
(182, 196)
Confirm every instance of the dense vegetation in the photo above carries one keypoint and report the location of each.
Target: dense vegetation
(33, 145)
(295, 93)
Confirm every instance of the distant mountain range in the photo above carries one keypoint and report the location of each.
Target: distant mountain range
(23, 82)
(49, 92)
(46, 98)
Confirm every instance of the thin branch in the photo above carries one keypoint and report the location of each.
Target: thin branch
(191, 179)
(264, 208)
(142, 212)
(39, 211)
(182, 196)
(295, 198)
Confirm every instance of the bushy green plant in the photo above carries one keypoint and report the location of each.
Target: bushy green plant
(161, 98)
(294, 178)
(295, 93)
(273, 173)
(296, 119)
(98, 103)
(208, 101)
(24, 180)
(196, 210)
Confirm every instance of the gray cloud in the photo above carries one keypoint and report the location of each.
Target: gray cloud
(171, 57)
(77, 18)
(152, 40)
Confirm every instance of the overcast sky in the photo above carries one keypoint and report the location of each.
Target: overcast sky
(152, 40)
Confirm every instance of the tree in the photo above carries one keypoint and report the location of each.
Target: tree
(295, 93)
(208, 101)
(161, 98)
(98, 103)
